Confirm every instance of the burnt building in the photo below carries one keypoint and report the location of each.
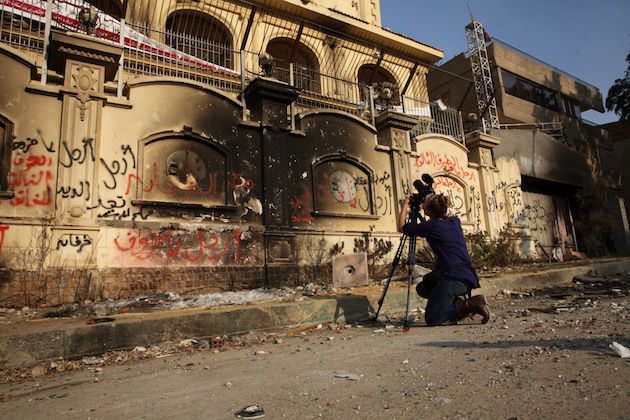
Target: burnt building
(538, 110)
(199, 146)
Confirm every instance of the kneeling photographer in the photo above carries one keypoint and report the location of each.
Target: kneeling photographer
(453, 278)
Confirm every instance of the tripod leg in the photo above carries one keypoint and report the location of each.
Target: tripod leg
(397, 256)
(411, 260)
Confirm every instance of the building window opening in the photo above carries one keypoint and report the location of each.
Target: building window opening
(305, 63)
(200, 35)
(371, 75)
(529, 91)
(571, 107)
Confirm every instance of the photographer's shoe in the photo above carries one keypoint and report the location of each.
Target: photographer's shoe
(474, 305)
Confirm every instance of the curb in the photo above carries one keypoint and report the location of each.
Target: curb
(71, 339)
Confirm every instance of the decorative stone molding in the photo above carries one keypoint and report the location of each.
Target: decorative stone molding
(85, 81)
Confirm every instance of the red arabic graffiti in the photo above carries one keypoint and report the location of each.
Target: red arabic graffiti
(446, 163)
(31, 179)
(167, 187)
(299, 207)
(447, 183)
(180, 245)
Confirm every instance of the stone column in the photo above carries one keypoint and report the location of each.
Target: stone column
(480, 146)
(268, 101)
(86, 63)
(393, 136)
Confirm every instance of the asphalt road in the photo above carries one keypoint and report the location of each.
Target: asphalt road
(539, 357)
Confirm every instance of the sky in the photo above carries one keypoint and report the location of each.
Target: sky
(588, 39)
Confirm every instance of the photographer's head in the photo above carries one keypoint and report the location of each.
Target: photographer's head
(436, 205)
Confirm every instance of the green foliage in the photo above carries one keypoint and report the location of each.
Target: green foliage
(319, 257)
(492, 252)
(376, 250)
(618, 99)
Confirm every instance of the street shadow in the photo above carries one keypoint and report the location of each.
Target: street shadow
(592, 345)
(353, 308)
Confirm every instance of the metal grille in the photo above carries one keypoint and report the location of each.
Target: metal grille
(435, 118)
(201, 61)
(23, 23)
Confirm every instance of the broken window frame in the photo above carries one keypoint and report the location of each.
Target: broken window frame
(6, 149)
(353, 161)
(185, 136)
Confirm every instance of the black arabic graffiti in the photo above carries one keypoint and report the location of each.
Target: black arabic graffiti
(77, 241)
(83, 190)
(111, 207)
(118, 168)
(25, 145)
(78, 154)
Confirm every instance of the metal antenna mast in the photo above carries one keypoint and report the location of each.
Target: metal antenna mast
(476, 38)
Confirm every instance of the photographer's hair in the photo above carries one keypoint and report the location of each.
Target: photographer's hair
(437, 206)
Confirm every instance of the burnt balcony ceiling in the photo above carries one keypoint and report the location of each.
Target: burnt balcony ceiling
(113, 8)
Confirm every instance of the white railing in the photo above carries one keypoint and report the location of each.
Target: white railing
(435, 118)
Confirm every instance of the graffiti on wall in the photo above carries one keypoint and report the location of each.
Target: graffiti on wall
(430, 160)
(31, 176)
(341, 187)
(74, 241)
(181, 246)
(456, 194)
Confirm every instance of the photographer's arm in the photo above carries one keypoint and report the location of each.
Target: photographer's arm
(402, 218)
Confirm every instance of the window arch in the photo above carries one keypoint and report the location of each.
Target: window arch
(185, 168)
(342, 186)
(377, 76)
(200, 35)
(305, 63)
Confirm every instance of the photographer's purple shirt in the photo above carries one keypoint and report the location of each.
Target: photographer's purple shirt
(446, 239)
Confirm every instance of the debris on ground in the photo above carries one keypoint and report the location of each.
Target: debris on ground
(621, 350)
(91, 361)
(349, 376)
(251, 412)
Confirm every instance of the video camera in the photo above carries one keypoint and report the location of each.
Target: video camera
(424, 188)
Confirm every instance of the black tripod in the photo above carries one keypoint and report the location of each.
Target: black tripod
(411, 259)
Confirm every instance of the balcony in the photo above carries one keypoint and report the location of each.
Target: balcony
(150, 51)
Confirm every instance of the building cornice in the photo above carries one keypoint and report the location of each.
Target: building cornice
(408, 47)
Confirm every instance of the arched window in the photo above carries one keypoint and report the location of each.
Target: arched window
(200, 35)
(305, 63)
(377, 77)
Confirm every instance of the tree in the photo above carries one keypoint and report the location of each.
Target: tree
(618, 99)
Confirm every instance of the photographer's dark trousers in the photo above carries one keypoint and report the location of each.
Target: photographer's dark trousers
(441, 291)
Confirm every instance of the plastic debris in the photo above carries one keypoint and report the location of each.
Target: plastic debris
(622, 351)
(90, 361)
(251, 412)
(349, 376)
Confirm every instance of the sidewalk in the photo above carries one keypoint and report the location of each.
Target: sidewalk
(27, 342)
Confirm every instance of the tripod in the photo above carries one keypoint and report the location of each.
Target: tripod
(411, 259)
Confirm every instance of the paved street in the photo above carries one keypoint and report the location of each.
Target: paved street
(544, 356)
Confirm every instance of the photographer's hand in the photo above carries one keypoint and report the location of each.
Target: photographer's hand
(402, 217)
